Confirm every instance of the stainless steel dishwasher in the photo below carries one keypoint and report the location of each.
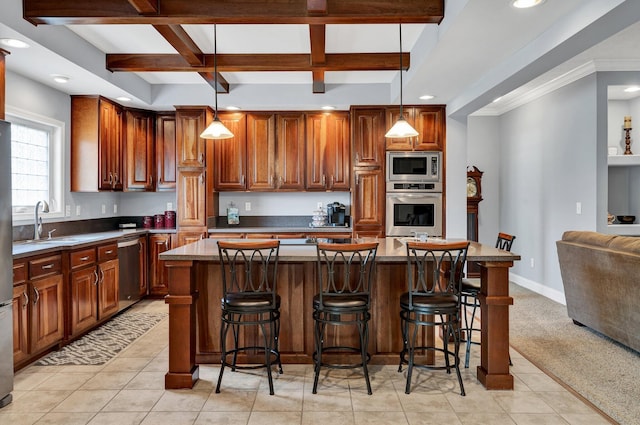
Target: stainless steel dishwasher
(129, 263)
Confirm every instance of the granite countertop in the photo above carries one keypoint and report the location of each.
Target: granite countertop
(389, 250)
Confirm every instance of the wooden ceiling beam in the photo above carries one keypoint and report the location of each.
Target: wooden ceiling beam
(145, 7)
(209, 77)
(317, 35)
(65, 12)
(123, 62)
(182, 42)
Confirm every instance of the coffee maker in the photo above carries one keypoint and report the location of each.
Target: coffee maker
(336, 214)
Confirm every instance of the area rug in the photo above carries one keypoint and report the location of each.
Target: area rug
(103, 343)
(601, 370)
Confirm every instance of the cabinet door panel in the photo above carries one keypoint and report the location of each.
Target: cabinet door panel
(165, 144)
(189, 124)
(47, 315)
(84, 299)
(316, 147)
(191, 198)
(369, 199)
(110, 146)
(404, 143)
(144, 265)
(290, 152)
(139, 151)
(261, 151)
(338, 151)
(430, 124)
(20, 323)
(230, 155)
(108, 293)
(158, 275)
(368, 137)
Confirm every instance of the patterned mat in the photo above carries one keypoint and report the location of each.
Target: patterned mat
(103, 343)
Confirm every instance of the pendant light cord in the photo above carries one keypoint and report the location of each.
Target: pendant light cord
(401, 112)
(215, 68)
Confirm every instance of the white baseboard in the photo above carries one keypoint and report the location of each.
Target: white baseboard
(538, 288)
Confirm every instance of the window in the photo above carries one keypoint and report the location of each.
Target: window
(36, 163)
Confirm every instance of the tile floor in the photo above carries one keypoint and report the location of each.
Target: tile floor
(130, 390)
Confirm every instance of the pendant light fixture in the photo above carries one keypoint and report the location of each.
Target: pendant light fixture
(216, 130)
(401, 128)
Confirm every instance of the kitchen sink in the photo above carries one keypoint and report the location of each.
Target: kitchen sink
(64, 240)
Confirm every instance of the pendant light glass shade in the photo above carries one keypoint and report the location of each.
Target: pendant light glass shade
(216, 130)
(401, 128)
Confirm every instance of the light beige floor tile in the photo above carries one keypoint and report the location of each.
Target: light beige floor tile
(380, 418)
(240, 380)
(147, 381)
(108, 381)
(86, 401)
(280, 418)
(432, 418)
(230, 401)
(66, 418)
(29, 381)
(37, 401)
(539, 382)
(134, 401)
(513, 402)
(418, 402)
(119, 418)
(565, 402)
(537, 419)
(327, 401)
(477, 402)
(159, 363)
(585, 419)
(126, 364)
(226, 418)
(281, 401)
(65, 381)
(181, 400)
(170, 418)
(485, 419)
(378, 401)
(81, 368)
(21, 418)
(324, 418)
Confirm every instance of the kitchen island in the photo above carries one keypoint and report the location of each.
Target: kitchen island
(195, 292)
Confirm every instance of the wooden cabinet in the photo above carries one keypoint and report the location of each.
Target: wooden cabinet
(367, 136)
(328, 148)
(93, 286)
(184, 238)
(139, 156)
(191, 198)
(158, 275)
(165, 151)
(143, 258)
(96, 144)
(190, 122)
(429, 122)
(368, 202)
(230, 155)
(38, 306)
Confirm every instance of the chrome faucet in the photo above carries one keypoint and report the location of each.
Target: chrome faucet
(38, 220)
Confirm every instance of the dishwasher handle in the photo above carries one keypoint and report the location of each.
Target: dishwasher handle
(124, 243)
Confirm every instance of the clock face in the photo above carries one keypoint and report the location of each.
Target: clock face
(472, 187)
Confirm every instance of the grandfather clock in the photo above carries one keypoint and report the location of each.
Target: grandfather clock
(474, 196)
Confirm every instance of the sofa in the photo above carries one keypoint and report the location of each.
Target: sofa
(601, 278)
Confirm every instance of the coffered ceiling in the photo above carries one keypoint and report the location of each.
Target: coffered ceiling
(304, 54)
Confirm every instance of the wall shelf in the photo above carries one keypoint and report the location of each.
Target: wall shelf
(623, 160)
(624, 229)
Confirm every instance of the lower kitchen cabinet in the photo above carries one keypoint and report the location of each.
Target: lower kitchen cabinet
(143, 255)
(37, 306)
(158, 274)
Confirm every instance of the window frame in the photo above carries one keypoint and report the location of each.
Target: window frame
(56, 130)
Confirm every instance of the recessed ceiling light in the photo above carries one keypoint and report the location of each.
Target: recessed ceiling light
(62, 79)
(232, 108)
(524, 4)
(427, 97)
(632, 89)
(12, 42)
(328, 108)
(497, 99)
(123, 99)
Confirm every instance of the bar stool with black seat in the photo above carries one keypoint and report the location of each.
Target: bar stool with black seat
(343, 298)
(433, 300)
(470, 300)
(249, 270)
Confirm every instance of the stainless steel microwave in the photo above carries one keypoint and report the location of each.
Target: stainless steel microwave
(417, 166)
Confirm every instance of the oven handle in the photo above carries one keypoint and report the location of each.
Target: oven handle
(400, 195)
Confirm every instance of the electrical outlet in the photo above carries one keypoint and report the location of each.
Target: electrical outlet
(169, 206)
(104, 209)
(247, 206)
(67, 210)
(578, 207)
(115, 208)
(533, 263)
(78, 210)
(319, 206)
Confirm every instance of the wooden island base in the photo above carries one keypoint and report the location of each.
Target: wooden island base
(194, 310)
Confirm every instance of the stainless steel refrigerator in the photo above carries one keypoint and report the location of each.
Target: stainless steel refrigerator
(6, 268)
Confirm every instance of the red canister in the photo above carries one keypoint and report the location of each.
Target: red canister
(147, 222)
(170, 219)
(158, 221)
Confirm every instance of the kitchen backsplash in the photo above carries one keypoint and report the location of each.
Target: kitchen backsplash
(280, 203)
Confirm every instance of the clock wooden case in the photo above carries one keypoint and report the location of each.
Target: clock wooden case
(474, 196)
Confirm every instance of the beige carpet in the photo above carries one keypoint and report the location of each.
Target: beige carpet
(601, 370)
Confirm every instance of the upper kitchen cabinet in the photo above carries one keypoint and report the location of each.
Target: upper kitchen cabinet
(367, 137)
(328, 151)
(138, 152)
(96, 140)
(230, 155)
(275, 151)
(190, 122)
(429, 122)
(165, 149)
